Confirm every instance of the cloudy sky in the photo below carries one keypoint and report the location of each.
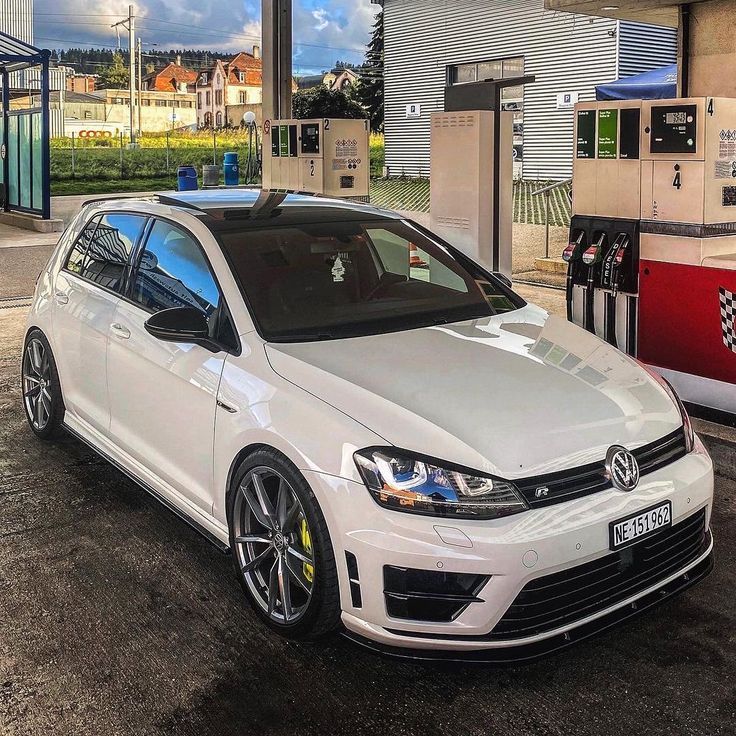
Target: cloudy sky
(324, 30)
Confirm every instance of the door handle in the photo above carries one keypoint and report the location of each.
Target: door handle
(61, 297)
(119, 331)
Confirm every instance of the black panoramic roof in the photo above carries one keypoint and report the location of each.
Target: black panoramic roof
(255, 208)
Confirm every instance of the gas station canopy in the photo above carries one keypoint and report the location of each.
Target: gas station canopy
(659, 12)
(657, 84)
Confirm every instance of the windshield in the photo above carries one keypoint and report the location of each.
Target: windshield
(347, 279)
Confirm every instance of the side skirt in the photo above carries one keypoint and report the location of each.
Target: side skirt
(206, 533)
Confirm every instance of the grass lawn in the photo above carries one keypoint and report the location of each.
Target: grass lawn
(402, 194)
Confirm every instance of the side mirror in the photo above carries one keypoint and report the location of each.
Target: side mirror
(503, 278)
(181, 324)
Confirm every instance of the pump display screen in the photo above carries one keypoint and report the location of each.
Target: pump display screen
(274, 140)
(675, 118)
(585, 143)
(673, 129)
(629, 138)
(310, 138)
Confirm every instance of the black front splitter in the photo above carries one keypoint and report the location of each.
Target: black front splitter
(525, 653)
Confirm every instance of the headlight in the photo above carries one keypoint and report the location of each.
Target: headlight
(400, 481)
(686, 423)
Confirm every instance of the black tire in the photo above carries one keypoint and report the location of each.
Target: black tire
(321, 613)
(47, 425)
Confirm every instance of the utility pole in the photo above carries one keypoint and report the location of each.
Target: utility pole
(131, 47)
(129, 23)
(140, 85)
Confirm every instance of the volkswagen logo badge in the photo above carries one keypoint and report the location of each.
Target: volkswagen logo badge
(622, 468)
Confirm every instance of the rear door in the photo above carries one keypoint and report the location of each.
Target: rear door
(163, 395)
(86, 294)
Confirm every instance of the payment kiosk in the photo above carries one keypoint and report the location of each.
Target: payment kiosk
(327, 156)
(471, 160)
(652, 251)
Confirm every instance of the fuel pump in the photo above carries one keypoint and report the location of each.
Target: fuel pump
(611, 278)
(573, 256)
(592, 256)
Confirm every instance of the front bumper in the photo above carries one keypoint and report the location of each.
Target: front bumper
(513, 551)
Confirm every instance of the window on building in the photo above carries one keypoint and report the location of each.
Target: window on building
(160, 103)
(482, 70)
(218, 97)
(208, 98)
(204, 77)
(199, 99)
(87, 114)
(219, 119)
(241, 77)
(243, 98)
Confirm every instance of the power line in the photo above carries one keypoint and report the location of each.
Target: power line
(201, 31)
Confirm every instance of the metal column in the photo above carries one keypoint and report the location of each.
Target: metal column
(277, 70)
(45, 137)
(5, 162)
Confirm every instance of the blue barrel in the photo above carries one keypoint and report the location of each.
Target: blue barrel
(186, 179)
(230, 164)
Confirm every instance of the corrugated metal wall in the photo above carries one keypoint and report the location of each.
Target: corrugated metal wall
(567, 53)
(16, 19)
(643, 47)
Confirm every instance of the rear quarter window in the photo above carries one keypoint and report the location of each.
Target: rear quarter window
(75, 259)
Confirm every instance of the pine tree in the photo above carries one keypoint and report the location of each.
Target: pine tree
(116, 75)
(369, 90)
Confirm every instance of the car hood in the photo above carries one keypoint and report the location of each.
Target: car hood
(515, 395)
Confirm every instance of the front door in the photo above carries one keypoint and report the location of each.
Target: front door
(163, 395)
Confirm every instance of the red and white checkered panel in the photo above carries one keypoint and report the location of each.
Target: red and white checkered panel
(728, 317)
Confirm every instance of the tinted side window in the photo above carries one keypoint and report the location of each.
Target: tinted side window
(76, 256)
(110, 248)
(173, 272)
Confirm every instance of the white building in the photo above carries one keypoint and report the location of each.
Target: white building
(16, 19)
(431, 43)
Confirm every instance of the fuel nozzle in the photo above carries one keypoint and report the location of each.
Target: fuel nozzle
(593, 253)
(592, 256)
(572, 250)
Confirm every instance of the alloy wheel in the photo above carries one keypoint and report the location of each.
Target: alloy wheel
(37, 384)
(273, 544)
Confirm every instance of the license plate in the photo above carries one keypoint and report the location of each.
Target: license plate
(642, 524)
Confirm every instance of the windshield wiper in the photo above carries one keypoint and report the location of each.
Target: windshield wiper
(304, 337)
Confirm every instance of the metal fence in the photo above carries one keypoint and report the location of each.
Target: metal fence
(156, 157)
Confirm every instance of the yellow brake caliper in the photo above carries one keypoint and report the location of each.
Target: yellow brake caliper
(306, 541)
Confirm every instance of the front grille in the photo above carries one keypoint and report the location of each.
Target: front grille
(565, 485)
(429, 595)
(559, 599)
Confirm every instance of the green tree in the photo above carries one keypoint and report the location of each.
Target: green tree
(116, 75)
(369, 88)
(320, 102)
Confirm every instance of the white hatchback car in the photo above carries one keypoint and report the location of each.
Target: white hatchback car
(385, 435)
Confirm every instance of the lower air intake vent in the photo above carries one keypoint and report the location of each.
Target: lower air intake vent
(427, 595)
(355, 594)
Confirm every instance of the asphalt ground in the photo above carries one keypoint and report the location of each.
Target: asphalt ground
(117, 618)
